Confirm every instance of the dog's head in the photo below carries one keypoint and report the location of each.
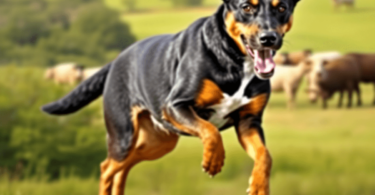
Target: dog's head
(258, 28)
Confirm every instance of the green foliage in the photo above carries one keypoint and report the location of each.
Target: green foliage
(34, 144)
(42, 32)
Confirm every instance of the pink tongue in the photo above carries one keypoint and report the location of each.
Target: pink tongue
(263, 66)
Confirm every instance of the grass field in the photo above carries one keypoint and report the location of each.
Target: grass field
(315, 151)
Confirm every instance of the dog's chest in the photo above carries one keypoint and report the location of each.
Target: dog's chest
(230, 103)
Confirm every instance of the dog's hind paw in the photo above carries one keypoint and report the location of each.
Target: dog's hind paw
(213, 155)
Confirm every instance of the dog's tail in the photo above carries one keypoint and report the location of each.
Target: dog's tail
(81, 96)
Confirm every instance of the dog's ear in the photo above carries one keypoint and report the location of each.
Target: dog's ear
(295, 2)
(226, 1)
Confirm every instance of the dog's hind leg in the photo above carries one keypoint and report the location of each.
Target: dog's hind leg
(148, 143)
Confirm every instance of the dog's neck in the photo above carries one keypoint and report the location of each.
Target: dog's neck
(220, 43)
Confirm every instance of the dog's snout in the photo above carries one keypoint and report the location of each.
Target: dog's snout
(268, 39)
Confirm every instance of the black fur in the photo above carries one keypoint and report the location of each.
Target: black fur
(85, 93)
(164, 73)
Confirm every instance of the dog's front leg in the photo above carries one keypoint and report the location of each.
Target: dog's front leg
(251, 138)
(186, 120)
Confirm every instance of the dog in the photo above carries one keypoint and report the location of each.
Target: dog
(209, 77)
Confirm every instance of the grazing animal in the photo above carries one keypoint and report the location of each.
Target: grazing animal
(316, 62)
(280, 58)
(338, 3)
(88, 72)
(288, 79)
(68, 73)
(209, 77)
(366, 64)
(293, 58)
(341, 74)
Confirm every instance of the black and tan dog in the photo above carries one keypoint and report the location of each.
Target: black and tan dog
(209, 77)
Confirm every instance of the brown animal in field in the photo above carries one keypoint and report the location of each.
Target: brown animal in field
(68, 73)
(316, 61)
(293, 58)
(88, 72)
(366, 64)
(338, 3)
(339, 75)
(288, 79)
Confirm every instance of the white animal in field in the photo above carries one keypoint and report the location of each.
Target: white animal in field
(66, 73)
(288, 79)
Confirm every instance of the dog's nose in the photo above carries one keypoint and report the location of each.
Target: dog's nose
(268, 39)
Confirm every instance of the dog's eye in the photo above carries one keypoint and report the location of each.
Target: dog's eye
(249, 9)
(281, 9)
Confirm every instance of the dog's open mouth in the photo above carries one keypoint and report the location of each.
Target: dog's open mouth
(264, 65)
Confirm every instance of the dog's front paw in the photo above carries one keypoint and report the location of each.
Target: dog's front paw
(213, 155)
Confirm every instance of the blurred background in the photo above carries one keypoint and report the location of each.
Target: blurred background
(315, 151)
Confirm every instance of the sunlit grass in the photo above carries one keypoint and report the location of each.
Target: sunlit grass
(315, 151)
(144, 25)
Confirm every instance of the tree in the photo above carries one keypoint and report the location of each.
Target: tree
(46, 32)
(34, 144)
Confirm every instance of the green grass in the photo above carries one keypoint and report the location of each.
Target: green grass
(144, 25)
(318, 26)
(315, 151)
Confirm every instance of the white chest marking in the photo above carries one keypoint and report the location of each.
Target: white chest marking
(231, 103)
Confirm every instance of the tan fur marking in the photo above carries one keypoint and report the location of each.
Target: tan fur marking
(209, 94)
(213, 149)
(236, 29)
(282, 29)
(255, 106)
(148, 144)
(275, 2)
(254, 2)
(251, 141)
(189, 130)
